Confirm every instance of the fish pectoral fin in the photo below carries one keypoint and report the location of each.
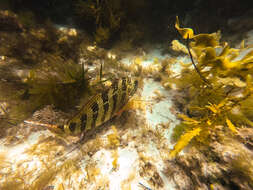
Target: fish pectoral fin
(134, 104)
(118, 114)
(128, 106)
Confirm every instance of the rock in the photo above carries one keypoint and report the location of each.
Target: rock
(223, 165)
(228, 150)
(180, 178)
(202, 187)
(149, 171)
(182, 181)
(211, 170)
(247, 135)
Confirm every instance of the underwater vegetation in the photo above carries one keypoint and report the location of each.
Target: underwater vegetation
(110, 20)
(102, 19)
(106, 15)
(216, 88)
(218, 94)
(49, 75)
(57, 82)
(31, 42)
(39, 66)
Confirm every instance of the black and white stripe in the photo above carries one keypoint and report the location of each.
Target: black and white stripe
(102, 107)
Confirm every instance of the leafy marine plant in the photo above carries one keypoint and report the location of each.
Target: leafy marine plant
(105, 15)
(219, 94)
(57, 82)
(39, 68)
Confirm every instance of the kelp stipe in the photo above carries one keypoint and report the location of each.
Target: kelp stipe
(220, 104)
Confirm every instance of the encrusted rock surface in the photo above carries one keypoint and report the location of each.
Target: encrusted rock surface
(224, 165)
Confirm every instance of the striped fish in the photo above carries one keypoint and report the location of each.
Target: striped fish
(101, 108)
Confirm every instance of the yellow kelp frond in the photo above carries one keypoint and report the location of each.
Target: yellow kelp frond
(177, 46)
(206, 40)
(224, 100)
(231, 126)
(227, 64)
(205, 56)
(225, 51)
(185, 32)
(212, 107)
(135, 104)
(188, 120)
(249, 82)
(234, 81)
(248, 58)
(225, 60)
(208, 56)
(215, 108)
(184, 140)
(206, 44)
